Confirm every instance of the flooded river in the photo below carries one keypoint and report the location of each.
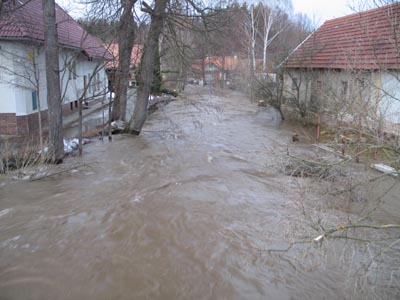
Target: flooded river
(187, 210)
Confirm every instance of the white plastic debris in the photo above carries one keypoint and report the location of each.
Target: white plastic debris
(319, 238)
(69, 145)
(118, 125)
(385, 169)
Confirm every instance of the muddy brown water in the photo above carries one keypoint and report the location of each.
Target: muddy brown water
(187, 210)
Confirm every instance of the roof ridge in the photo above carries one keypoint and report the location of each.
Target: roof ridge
(363, 41)
(26, 21)
(360, 13)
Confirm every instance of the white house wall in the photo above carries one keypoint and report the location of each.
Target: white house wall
(390, 104)
(7, 89)
(73, 89)
(16, 91)
(18, 79)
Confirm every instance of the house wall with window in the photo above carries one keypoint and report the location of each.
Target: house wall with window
(23, 84)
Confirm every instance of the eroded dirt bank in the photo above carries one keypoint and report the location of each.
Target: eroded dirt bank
(187, 210)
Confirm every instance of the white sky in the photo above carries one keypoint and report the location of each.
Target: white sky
(321, 10)
(317, 10)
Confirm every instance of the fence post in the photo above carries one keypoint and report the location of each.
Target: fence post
(319, 128)
(376, 154)
(359, 141)
(343, 145)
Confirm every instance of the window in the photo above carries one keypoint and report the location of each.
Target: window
(344, 88)
(94, 83)
(84, 84)
(294, 84)
(90, 83)
(98, 81)
(72, 70)
(34, 100)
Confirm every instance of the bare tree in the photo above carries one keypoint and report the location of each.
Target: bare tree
(252, 33)
(126, 38)
(122, 13)
(270, 17)
(56, 144)
(158, 16)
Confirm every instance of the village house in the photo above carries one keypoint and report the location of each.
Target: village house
(350, 67)
(111, 66)
(214, 69)
(22, 65)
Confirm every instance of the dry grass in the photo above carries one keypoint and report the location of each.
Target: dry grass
(20, 155)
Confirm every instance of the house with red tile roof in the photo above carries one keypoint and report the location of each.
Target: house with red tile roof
(112, 65)
(213, 69)
(350, 65)
(22, 65)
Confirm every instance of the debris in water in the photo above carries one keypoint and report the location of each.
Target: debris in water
(5, 211)
(385, 169)
(319, 238)
(69, 145)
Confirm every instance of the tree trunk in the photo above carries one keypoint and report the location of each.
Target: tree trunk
(126, 36)
(223, 72)
(268, 20)
(158, 16)
(56, 144)
(80, 120)
(37, 87)
(253, 38)
(40, 120)
(203, 69)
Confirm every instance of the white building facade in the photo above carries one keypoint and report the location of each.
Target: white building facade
(23, 88)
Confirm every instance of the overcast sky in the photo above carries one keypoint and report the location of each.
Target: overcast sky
(318, 10)
(322, 10)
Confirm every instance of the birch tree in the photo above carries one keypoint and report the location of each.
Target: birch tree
(253, 32)
(270, 17)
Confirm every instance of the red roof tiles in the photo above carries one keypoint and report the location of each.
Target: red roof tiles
(226, 63)
(136, 55)
(23, 19)
(366, 40)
